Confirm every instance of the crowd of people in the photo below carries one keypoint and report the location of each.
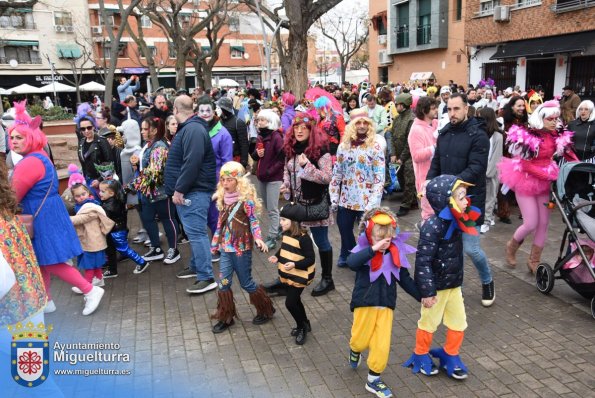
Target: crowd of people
(214, 162)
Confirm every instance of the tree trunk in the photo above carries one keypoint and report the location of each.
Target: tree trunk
(180, 71)
(78, 95)
(110, 75)
(295, 66)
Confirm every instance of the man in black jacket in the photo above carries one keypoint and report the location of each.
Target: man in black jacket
(237, 128)
(190, 179)
(462, 150)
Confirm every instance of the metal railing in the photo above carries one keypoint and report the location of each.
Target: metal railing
(25, 25)
(424, 34)
(571, 5)
(403, 37)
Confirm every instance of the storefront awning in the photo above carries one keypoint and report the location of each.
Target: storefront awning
(68, 51)
(21, 43)
(422, 76)
(136, 71)
(545, 46)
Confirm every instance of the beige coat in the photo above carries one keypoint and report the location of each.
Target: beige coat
(92, 225)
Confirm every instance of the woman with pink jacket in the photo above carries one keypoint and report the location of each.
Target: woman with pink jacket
(422, 144)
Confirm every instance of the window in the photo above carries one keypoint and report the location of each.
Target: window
(486, 7)
(234, 24)
(62, 18)
(237, 52)
(110, 20)
(581, 75)
(424, 27)
(502, 72)
(122, 50)
(145, 22)
(526, 3)
(381, 25)
(152, 51)
(22, 54)
(171, 49)
(403, 25)
(18, 19)
(184, 20)
(458, 10)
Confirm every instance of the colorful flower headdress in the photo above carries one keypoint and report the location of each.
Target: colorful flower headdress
(232, 169)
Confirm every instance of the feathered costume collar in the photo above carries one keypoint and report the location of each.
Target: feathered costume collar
(525, 144)
(391, 260)
(463, 221)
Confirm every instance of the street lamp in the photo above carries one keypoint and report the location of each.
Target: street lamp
(268, 45)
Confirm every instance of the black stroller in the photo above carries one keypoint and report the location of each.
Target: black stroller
(574, 195)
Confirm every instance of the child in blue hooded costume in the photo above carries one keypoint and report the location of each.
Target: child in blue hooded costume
(380, 262)
(439, 276)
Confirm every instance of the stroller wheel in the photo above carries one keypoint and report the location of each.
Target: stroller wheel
(544, 278)
(593, 307)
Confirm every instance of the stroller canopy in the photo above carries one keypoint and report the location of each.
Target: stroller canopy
(576, 178)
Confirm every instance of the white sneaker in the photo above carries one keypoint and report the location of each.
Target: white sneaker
(92, 300)
(98, 282)
(49, 307)
(484, 228)
(141, 237)
(147, 243)
(492, 222)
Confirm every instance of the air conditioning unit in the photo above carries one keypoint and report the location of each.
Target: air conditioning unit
(96, 30)
(501, 13)
(59, 28)
(384, 57)
(70, 29)
(381, 39)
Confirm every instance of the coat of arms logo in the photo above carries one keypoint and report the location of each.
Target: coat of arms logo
(30, 353)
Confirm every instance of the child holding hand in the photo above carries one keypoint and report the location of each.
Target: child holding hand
(296, 263)
(439, 276)
(380, 262)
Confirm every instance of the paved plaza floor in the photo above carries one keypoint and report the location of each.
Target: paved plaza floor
(525, 345)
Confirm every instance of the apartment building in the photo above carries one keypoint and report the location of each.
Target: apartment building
(418, 40)
(530, 43)
(241, 56)
(34, 39)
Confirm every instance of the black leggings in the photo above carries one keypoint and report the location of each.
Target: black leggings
(293, 303)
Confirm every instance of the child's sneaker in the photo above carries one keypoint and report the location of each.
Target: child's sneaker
(109, 274)
(355, 359)
(453, 364)
(459, 373)
(379, 388)
(140, 268)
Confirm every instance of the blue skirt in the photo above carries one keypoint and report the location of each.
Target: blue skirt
(91, 260)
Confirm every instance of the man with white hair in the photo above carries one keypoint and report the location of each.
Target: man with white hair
(444, 96)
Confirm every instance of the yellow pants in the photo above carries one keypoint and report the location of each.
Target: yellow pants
(449, 309)
(372, 328)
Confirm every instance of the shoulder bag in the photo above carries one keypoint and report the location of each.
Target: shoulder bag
(299, 211)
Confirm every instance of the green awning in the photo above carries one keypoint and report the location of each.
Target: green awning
(21, 43)
(205, 49)
(238, 48)
(68, 50)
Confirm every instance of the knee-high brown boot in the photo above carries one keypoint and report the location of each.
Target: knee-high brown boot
(511, 248)
(534, 258)
(226, 307)
(263, 305)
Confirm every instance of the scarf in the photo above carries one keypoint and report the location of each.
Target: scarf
(387, 263)
(214, 130)
(77, 206)
(463, 221)
(300, 147)
(230, 198)
(265, 132)
(360, 139)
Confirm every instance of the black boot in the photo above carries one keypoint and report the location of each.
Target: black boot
(276, 288)
(326, 283)
(302, 332)
(295, 331)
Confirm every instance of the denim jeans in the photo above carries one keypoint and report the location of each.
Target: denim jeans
(345, 220)
(194, 219)
(320, 235)
(167, 215)
(242, 265)
(472, 248)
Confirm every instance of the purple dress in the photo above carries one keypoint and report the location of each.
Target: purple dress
(55, 239)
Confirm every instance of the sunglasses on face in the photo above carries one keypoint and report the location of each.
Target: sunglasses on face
(88, 128)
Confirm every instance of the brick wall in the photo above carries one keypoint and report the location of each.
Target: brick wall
(526, 23)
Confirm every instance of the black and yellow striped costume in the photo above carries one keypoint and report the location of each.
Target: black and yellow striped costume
(300, 251)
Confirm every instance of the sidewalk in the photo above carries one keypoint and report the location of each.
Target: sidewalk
(526, 345)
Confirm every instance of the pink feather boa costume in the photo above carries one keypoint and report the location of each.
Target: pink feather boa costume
(532, 168)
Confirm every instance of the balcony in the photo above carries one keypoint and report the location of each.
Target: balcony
(21, 60)
(403, 37)
(424, 34)
(562, 6)
(9, 23)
